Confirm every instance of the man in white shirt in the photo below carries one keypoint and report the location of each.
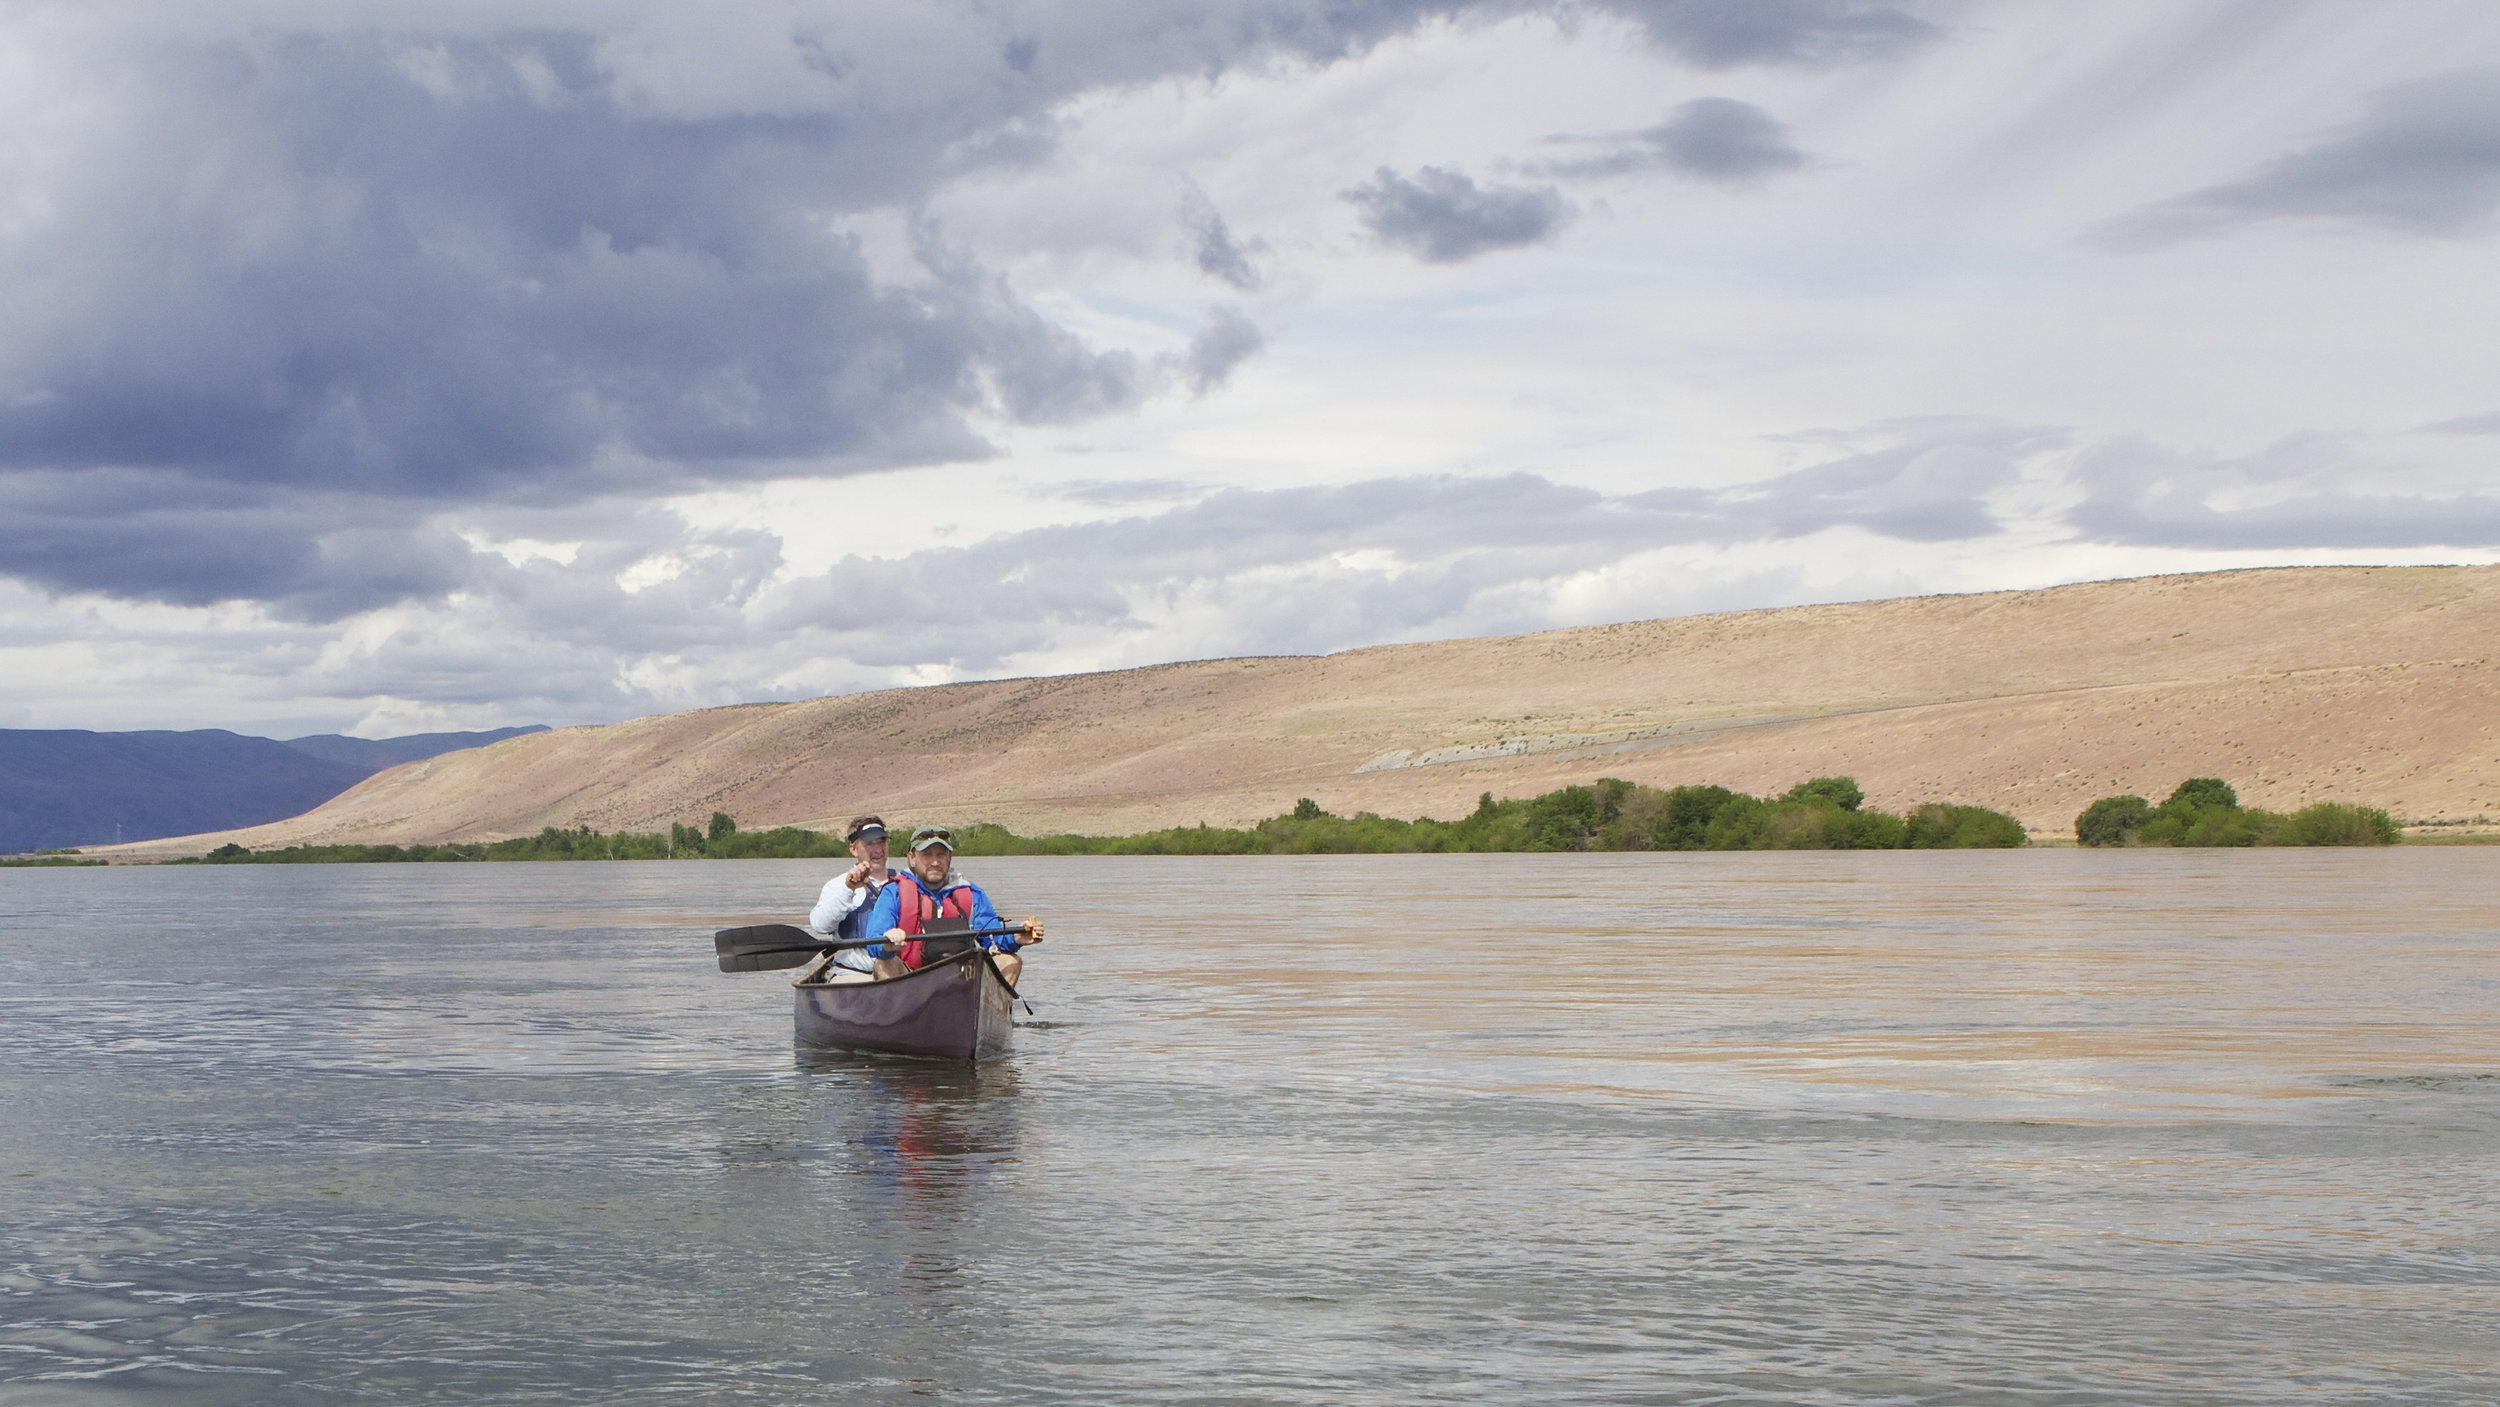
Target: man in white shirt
(847, 896)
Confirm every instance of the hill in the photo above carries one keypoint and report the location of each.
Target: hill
(2368, 685)
(371, 755)
(71, 787)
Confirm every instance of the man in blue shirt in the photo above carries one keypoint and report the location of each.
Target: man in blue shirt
(929, 888)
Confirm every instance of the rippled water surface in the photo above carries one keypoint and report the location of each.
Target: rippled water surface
(2046, 1127)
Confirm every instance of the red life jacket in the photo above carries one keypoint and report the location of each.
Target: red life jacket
(917, 906)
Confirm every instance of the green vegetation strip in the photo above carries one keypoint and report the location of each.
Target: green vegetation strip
(1824, 814)
(1827, 813)
(2205, 811)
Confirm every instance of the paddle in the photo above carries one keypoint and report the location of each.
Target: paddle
(990, 962)
(765, 947)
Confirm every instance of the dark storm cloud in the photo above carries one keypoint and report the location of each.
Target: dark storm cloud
(2423, 159)
(157, 535)
(2300, 493)
(1710, 139)
(1443, 217)
(1726, 33)
(383, 291)
(316, 285)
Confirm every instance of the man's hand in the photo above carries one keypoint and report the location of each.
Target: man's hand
(1033, 931)
(858, 875)
(895, 935)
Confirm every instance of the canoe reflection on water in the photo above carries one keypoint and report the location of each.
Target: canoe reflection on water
(924, 1123)
(926, 1150)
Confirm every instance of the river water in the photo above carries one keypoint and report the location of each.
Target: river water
(2028, 1127)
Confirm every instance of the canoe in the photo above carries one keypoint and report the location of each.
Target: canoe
(956, 1008)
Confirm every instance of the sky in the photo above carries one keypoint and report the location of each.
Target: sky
(397, 367)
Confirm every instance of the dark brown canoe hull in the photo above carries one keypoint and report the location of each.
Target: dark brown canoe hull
(955, 1008)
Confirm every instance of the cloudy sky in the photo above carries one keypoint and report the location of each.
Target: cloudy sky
(385, 367)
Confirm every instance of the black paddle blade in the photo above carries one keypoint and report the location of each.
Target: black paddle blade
(762, 936)
(766, 947)
(769, 959)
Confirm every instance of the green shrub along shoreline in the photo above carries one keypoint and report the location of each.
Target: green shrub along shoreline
(1827, 813)
(1824, 814)
(2205, 811)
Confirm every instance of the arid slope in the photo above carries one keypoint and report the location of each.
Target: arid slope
(2363, 684)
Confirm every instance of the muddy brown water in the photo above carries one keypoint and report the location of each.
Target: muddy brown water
(2054, 1126)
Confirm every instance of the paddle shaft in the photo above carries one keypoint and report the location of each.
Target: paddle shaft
(731, 950)
(840, 943)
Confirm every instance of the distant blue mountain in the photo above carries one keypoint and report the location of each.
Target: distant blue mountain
(69, 787)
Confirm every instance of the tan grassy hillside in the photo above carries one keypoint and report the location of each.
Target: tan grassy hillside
(2363, 684)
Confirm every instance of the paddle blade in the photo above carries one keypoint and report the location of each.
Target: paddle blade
(766, 947)
(769, 960)
(762, 936)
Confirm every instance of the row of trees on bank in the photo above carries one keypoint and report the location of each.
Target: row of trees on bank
(1827, 813)
(2205, 811)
